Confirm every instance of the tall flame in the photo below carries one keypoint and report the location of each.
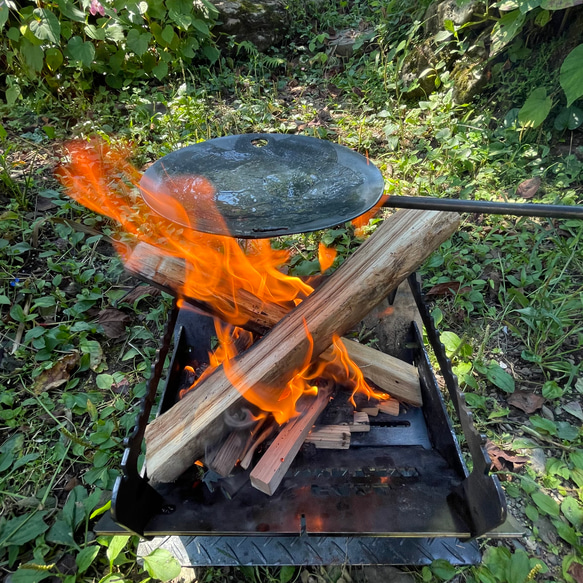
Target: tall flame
(218, 268)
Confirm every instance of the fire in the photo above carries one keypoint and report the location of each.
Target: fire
(218, 268)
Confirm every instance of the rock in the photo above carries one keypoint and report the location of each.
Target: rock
(470, 73)
(418, 72)
(440, 11)
(538, 460)
(264, 23)
(344, 41)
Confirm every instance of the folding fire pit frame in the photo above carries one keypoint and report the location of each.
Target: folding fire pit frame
(402, 494)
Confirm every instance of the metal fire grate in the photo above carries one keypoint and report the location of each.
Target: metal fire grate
(402, 493)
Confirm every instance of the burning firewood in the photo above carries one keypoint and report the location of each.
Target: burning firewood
(390, 374)
(271, 468)
(397, 248)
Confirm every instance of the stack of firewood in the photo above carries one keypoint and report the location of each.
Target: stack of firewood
(182, 435)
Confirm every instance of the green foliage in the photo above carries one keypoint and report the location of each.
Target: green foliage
(67, 47)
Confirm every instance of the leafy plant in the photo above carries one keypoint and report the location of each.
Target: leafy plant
(66, 47)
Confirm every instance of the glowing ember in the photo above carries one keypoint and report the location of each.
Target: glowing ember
(218, 268)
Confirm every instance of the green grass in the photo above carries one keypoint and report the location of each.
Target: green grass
(69, 388)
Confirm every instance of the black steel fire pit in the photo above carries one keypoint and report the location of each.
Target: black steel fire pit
(402, 494)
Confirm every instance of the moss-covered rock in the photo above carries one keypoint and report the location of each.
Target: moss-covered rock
(264, 23)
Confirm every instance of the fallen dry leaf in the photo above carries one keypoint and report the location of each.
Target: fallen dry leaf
(58, 374)
(529, 187)
(139, 292)
(576, 571)
(113, 322)
(525, 401)
(502, 460)
(448, 288)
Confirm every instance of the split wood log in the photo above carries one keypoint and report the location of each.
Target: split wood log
(271, 468)
(396, 249)
(329, 437)
(390, 407)
(396, 377)
(169, 273)
(248, 457)
(231, 450)
(361, 423)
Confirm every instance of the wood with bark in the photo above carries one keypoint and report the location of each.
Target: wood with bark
(396, 249)
(271, 468)
(329, 437)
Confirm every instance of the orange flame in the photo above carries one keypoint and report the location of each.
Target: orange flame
(326, 256)
(363, 220)
(218, 268)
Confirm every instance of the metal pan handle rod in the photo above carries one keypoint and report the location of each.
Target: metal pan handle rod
(551, 211)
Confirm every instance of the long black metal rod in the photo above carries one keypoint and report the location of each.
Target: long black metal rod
(551, 211)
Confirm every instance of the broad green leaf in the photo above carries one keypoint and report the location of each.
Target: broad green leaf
(552, 390)
(531, 512)
(505, 30)
(544, 425)
(535, 109)
(305, 268)
(451, 342)
(569, 118)
(571, 75)
(500, 378)
(559, 4)
(168, 34)
(46, 25)
(181, 20)
(17, 313)
(69, 10)
(4, 300)
(116, 546)
(115, 33)
(572, 511)
(104, 381)
(286, 574)
(497, 559)
(54, 58)
(12, 94)
(184, 6)
(546, 504)
(61, 533)
(74, 510)
(138, 42)
(33, 56)
(94, 32)
(80, 50)
(566, 532)
(201, 26)
(211, 53)
(85, 557)
(160, 70)
(518, 567)
(23, 529)
(211, 9)
(566, 431)
(443, 569)
(4, 14)
(24, 575)
(160, 564)
(577, 476)
(576, 458)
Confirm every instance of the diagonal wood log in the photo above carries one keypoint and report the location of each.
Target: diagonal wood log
(177, 438)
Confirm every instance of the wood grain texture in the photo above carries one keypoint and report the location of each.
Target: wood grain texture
(271, 468)
(396, 249)
(329, 437)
